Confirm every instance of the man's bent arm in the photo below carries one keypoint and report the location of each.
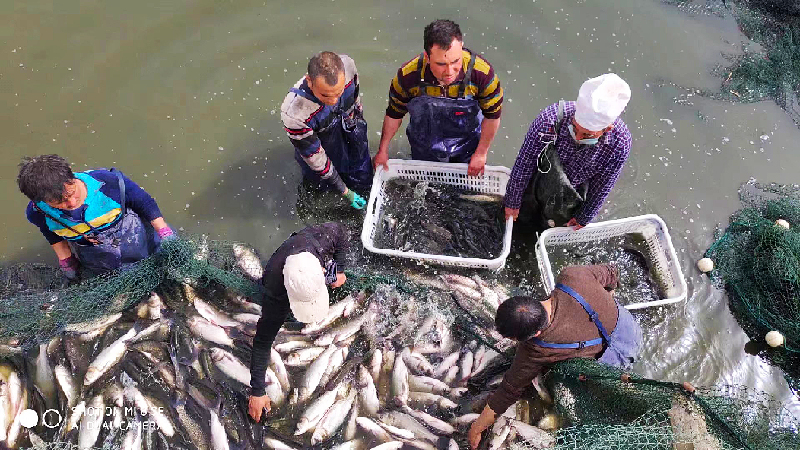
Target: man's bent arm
(62, 250)
(389, 129)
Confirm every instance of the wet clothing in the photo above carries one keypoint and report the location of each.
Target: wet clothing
(570, 323)
(116, 212)
(328, 242)
(597, 166)
(330, 142)
(445, 123)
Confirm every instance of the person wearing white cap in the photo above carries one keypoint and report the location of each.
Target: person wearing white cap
(571, 158)
(296, 278)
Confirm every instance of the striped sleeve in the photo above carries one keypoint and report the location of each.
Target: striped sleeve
(398, 97)
(309, 147)
(490, 93)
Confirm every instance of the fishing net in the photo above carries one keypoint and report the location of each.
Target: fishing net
(758, 263)
(35, 304)
(602, 409)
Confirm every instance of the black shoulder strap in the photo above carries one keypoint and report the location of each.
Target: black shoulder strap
(421, 65)
(559, 117)
(122, 208)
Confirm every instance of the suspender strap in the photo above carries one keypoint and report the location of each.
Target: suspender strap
(467, 75)
(543, 154)
(304, 94)
(56, 219)
(122, 207)
(592, 315)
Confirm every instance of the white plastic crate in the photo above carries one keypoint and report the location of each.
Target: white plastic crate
(493, 181)
(660, 252)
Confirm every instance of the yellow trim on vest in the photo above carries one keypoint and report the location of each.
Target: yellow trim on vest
(84, 228)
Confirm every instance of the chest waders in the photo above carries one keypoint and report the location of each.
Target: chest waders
(621, 347)
(444, 129)
(124, 242)
(345, 142)
(550, 195)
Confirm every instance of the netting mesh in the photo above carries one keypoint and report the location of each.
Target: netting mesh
(35, 305)
(604, 410)
(758, 262)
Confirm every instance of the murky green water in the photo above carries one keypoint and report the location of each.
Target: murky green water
(184, 98)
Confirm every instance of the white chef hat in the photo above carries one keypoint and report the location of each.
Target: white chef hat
(600, 101)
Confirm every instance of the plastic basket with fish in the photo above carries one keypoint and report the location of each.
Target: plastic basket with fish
(492, 182)
(658, 251)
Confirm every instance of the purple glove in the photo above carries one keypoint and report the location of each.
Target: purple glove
(69, 267)
(166, 234)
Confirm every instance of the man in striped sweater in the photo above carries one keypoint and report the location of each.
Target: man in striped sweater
(453, 97)
(323, 117)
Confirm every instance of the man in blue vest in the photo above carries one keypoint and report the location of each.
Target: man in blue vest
(96, 221)
(579, 319)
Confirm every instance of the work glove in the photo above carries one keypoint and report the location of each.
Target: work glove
(330, 272)
(356, 201)
(166, 234)
(69, 267)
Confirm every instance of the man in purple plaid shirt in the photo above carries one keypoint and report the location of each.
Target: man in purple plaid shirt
(592, 145)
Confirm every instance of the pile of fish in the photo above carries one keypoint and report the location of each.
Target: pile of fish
(382, 370)
(627, 253)
(440, 219)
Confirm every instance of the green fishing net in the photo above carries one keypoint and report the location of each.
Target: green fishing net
(601, 409)
(758, 263)
(35, 304)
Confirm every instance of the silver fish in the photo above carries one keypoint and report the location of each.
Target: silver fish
(464, 420)
(335, 311)
(333, 419)
(446, 364)
(274, 389)
(454, 279)
(44, 374)
(351, 444)
(275, 444)
(204, 329)
(396, 432)
(248, 262)
(425, 328)
(538, 384)
(219, 439)
(92, 422)
(375, 362)
(314, 412)
(427, 384)
(483, 198)
(489, 356)
(15, 429)
(247, 318)
(209, 312)
(422, 399)
(532, 435)
(437, 425)
(314, 373)
(133, 438)
(367, 391)
(93, 328)
(276, 363)
(156, 414)
(337, 359)
(500, 433)
(5, 413)
(392, 445)
(374, 429)
(347, 329)
(75, 415)
(403, 420)
(466, 365)
(290, 346)
(230, 365)
(478, 357)
(451, 375)
(107, 358)
(351, 428)
(416, 362)
(304, 356)
(247, 305)
(400, 385)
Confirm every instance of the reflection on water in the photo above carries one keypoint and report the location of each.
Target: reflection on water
(184, 98)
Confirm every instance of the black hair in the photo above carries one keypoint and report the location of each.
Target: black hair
(521, 317)
(441, 32)
(327, 65)
(42, 178)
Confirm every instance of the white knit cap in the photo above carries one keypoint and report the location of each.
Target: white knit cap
(304, 280)
(600, 101)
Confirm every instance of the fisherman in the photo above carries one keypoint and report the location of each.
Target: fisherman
(571, 158)
(96, 221)
(454, 98)
(323, 117)
(580, 319)
(295, 277)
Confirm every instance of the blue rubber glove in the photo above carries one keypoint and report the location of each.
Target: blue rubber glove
(356, 201)
(69, 267)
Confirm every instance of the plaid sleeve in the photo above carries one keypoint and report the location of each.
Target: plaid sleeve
(601, 184)
(540, 132)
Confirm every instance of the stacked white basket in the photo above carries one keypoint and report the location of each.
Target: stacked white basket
(493, 181)
(660, 252)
